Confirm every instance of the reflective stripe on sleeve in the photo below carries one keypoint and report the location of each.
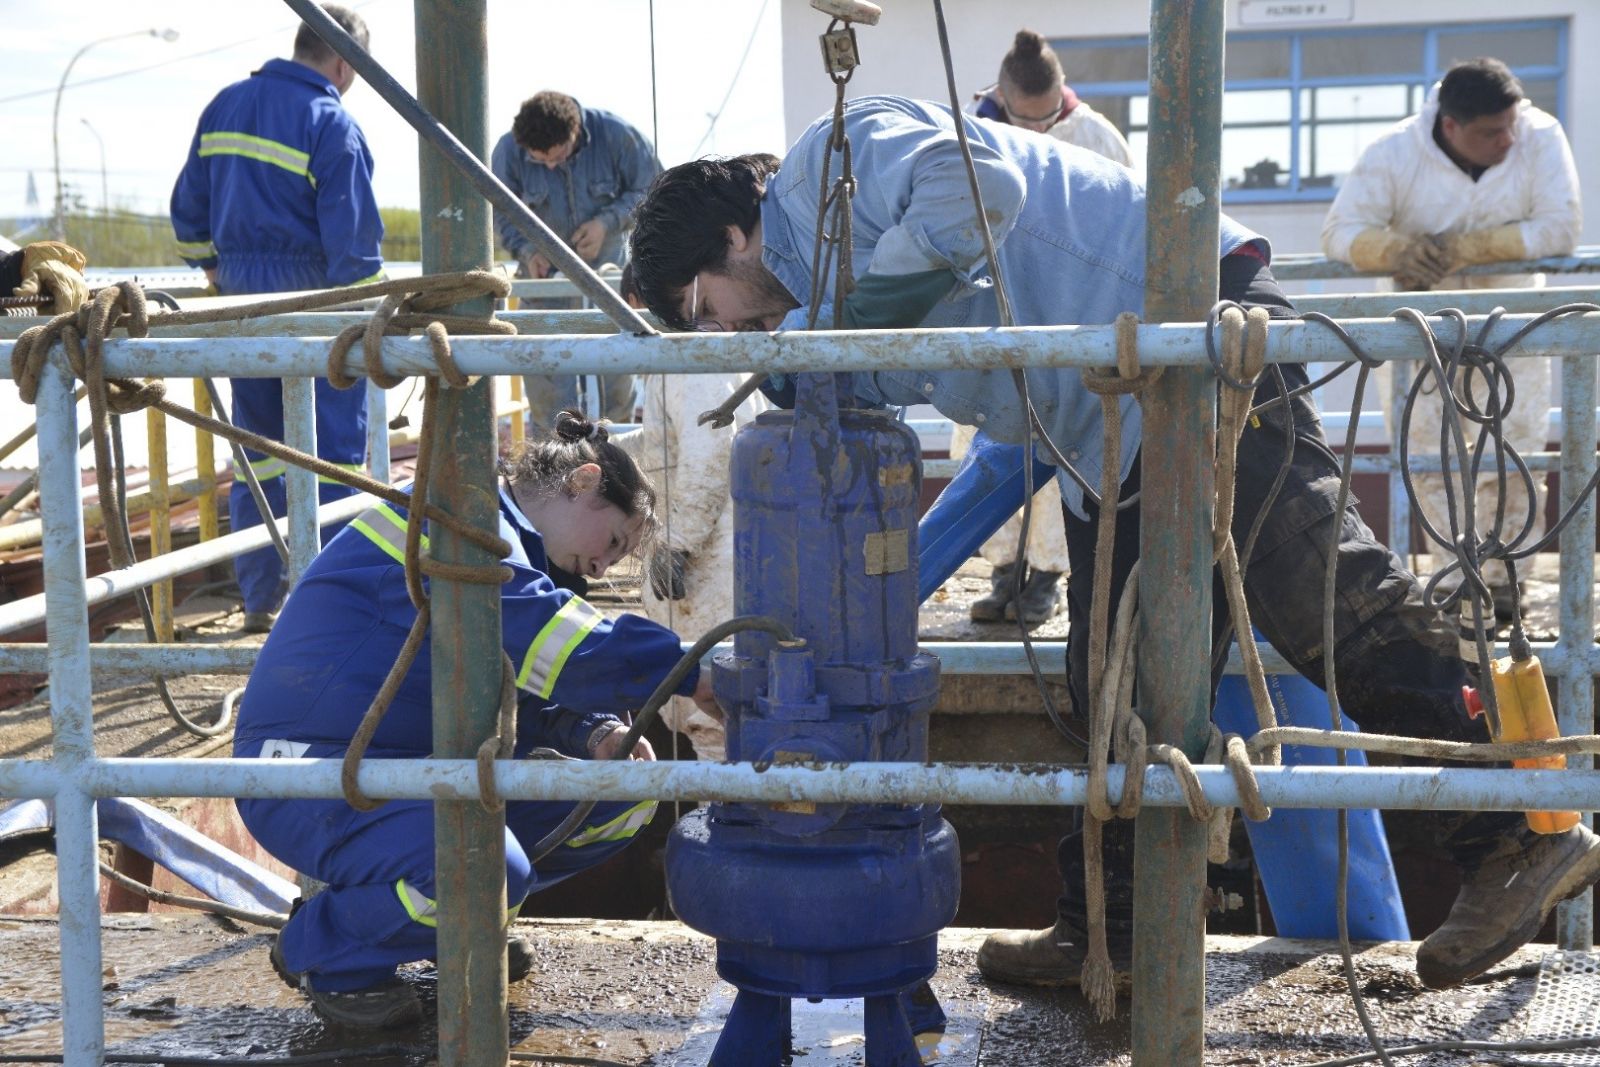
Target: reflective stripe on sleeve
(554, 644)
(384, 527)
(623, 826)
(196, 249)
(354, 468)
(231, 143)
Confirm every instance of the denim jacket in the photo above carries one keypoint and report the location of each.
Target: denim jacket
(1068, 224)
(605, 178)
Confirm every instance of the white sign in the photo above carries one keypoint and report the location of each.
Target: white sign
(1294, 12)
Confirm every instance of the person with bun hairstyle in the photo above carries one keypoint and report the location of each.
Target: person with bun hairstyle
(571, 506)
(1033, 94)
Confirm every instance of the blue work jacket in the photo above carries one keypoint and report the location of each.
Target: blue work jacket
(1069, 226)
(344, 624)
(605, 178)
(277, 190)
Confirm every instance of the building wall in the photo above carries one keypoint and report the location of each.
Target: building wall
(901, 55)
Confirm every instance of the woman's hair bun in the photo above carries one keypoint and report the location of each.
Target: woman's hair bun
(1028, 44)
(573, 426)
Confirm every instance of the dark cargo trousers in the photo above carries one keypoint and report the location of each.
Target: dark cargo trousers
(1395, 660)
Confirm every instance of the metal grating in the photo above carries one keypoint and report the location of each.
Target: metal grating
(1566, 1004)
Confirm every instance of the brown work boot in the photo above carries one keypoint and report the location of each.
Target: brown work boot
(1044, 958)
(1504, 902)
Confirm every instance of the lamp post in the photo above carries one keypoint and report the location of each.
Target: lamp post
(168, 34)
(105, 186)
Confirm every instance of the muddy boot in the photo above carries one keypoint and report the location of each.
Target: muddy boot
(1044, 958)
(1504, 901)
(388, 1005)
(519, 958)
(1038, 600)
(992, 606)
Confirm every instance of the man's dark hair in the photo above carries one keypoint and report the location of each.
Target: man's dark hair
(1031, 67)
(312, 50)
(1476, 88)
(547, 120)
(681, 227)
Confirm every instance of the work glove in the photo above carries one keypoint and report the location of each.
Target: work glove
(1497, 244)
(53, 269)
(1422, 262)
(667, 567)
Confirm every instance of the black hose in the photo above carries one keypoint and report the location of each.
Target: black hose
(652, 708)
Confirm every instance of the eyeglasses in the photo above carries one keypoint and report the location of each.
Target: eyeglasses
(697, 324)
(1027, 122)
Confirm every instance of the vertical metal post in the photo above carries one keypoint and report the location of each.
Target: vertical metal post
(1575, 688)
(160, 520)
(452, 61)
(72, 718)
(300, 431)
(1399, 503)
(378, 432)
(205, 462)
(1181, 270)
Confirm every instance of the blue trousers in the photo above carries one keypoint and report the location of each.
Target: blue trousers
(377, 911)
(341, 418)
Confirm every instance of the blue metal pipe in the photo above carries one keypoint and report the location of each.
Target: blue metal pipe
(1413, 788)
(72, 719)
(1164, 344)
(300, 485)
(1300, 267)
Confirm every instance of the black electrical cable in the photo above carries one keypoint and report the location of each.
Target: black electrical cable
(652, 708)
(142, 596)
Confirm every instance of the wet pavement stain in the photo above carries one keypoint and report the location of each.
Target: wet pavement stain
(639, 994)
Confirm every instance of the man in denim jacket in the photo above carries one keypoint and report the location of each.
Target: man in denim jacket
(718, 247)
(582, 171)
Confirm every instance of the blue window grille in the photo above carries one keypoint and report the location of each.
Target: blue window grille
(1299, 107)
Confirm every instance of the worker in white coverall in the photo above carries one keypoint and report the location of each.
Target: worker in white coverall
(689, 576)
(1479, 176)
(1032, 94)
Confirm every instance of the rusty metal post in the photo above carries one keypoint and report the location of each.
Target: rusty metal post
(1181, 270)
(452, 68)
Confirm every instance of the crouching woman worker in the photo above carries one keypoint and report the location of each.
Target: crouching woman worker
(572, 503)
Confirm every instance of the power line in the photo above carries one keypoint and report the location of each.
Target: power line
(712, 126)
(30, 94)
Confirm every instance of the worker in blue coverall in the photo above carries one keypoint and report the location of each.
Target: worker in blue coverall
(717, 245)
(582, 170)
(276, 196)
(573, 502)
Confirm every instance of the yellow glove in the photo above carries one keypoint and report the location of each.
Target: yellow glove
(1497, 244)
(1377, 249)
(59, 281)
(40, 251)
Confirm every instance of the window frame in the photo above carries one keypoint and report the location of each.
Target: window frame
(1296, 83)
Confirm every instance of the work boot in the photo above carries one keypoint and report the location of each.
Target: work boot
(1504, 902)
(991, 607)
(389, 1005)
(259, 622)
(1038, 600)
(519, 959)
(1045, 958)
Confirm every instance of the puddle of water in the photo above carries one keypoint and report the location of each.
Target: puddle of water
(830, 1034)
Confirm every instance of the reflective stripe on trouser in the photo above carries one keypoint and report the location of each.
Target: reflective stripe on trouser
(354, 933)
(554, 644)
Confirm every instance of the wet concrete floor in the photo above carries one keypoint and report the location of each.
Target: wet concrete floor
(643, 994)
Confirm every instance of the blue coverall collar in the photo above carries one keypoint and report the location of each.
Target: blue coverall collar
(288, 68)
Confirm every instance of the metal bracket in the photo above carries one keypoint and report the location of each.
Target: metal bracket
(839, 54)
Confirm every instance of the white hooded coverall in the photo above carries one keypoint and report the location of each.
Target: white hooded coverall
(1406, 184)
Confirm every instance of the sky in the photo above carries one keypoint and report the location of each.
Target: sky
(139, 96)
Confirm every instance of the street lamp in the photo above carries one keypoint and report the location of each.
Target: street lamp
(168, 34)
(105, 187)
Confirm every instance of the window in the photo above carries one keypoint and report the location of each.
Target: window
(1299, 108)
